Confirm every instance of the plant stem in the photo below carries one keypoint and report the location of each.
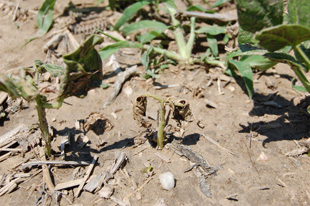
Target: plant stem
(178, 33)
(169, 54)
(302, 78)
(43, 124)
(303, 56)
(161, 120)
(191, 39)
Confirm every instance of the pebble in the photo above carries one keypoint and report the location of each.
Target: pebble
(167, 180)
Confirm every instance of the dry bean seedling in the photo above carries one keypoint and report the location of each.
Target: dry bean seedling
(120, 102)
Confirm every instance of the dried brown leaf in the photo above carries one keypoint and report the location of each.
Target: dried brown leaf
(139, 111)
(98, 123)
(182, 111)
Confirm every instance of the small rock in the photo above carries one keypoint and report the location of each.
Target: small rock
(167, 180)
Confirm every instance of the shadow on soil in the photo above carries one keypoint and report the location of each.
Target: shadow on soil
(292, 122)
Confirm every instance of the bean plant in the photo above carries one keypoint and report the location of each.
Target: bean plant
(82, 66)
(269, 30)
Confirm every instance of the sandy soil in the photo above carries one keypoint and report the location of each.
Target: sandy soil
(257, 133)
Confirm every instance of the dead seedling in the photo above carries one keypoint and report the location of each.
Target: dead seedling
(180, 112)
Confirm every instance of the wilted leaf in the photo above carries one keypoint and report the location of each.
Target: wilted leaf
(98, 123)
(139, 111)
(53, 69)
(17, 87)
(181, 111)
(129, 12)
(81, 66)
(277, 37)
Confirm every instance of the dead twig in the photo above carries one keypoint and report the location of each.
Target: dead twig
(228, 16)
(46, 172)
(34, 163)
(88, 172)
(118, 84)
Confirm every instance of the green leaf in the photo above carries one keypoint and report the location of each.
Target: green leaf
(258, 61)
(212, 30)
(305, 48)
(213, 45)
(129, 12)
(104, 86)
(277, 37)
(112, 37)
(246, 73)
(112, 4)
(145, 59)
(81, 65)
(149, 36)
(295, 65)
(53, 69)
(199, 8)
(256, 15)
(18, 87)
(219, 3)
(246, 37)
(151, 73)
(284, 58)
(298, 12)
(299, 88)
(109, 50)
(144, 24)
(226, 39)
(45, 16)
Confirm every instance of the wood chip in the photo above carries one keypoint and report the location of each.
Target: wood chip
(9, 137)
(46, 172)
(69, 184)
(88, 172)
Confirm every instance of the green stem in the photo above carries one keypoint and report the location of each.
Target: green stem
(191, 39)
(161, 125)
(303, 56)
(43, 124)
(302, 78)
(178, 34)
(169, 54)
(161, 120)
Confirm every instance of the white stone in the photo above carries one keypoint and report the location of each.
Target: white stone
(167, 180)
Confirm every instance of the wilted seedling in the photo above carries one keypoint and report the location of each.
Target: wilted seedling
(81, 66)
(180, 112)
